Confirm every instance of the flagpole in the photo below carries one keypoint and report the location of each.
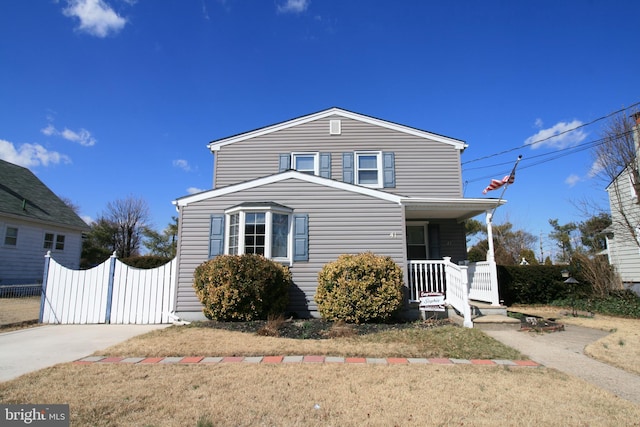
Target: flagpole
(512, 174)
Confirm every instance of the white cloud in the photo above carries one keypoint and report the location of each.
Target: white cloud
(539, 123)
(182, 164)
(558, 136)
(96, 17)
(596, 168)
(194, 190)
(29, 155)
(82, 136)
(87, 219)
(572, 180)
(293, 6)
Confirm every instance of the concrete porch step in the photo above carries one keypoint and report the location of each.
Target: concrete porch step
(496, 322)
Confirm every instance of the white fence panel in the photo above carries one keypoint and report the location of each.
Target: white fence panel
(73, 296)
(111, 292)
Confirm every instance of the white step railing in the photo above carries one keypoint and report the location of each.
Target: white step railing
(442, 277)
(483, 282)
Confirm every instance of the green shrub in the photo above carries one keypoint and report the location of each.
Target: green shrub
(531, 284)
(623, 303)
(359, 288)
(146, 261)
(242, 287)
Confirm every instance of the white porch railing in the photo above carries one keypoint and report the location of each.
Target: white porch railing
(483, 282)
(459, 284)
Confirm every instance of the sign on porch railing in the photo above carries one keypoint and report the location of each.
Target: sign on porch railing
(432, 301)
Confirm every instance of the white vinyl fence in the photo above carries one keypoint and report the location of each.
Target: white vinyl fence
(111, 292)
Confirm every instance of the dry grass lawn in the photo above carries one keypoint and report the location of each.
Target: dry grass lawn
(320, 395)
(621, 348)
(447, 341)
(16, 310)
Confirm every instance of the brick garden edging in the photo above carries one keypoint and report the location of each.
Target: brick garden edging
(201, 360)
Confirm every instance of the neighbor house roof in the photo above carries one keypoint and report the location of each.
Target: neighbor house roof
(24, 196)
(217, 144)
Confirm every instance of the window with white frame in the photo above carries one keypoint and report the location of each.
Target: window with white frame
(305, 162)
(262, 230)
(11, 236)
(369, 169)
(54, 241)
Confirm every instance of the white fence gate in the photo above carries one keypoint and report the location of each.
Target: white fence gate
(111, 292)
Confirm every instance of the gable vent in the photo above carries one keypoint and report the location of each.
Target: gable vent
(335, 127)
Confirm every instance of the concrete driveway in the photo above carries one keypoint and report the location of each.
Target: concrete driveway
(564, 351)
(28, 350)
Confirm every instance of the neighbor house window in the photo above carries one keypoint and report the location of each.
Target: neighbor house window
(53, 241)
(369, 169)
(263, 230)
(11, 236)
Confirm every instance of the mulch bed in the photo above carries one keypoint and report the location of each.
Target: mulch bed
(530, 323)
(318, 328)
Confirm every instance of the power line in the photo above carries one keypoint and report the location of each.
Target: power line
(552, 155)
(552, 136)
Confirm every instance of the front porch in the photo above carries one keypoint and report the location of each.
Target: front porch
(468, 289)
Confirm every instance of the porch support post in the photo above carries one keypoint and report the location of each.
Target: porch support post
(491, 260)
(490, 254)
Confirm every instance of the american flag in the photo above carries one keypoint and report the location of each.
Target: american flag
(497, 183)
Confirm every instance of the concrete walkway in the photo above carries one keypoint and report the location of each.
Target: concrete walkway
(564, 351)
(27, 350)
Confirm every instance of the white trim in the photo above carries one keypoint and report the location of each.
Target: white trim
(216, 145)
(187, 200)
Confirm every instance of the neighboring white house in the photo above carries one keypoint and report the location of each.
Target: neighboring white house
(623, 241)
(34, 221)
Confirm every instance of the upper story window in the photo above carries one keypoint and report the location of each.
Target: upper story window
(369, 169)
(311, 163)
(375, 169)
(11, 236)
(305, 162)
(53, 241)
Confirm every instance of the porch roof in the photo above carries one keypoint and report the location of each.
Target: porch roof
(459, 209)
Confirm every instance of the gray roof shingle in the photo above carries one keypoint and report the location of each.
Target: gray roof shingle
(24, 196)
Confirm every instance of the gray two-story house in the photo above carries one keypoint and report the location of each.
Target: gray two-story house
(304, 191)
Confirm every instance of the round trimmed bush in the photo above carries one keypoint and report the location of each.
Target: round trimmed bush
(360, 288)
(242, 287)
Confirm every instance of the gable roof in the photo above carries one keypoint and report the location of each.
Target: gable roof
(215, 145)
(24, 196)
(458, 208)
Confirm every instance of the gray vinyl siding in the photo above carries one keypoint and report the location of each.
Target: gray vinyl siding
(339, 222)
(24, 262)
(424, 168)
(624, 252)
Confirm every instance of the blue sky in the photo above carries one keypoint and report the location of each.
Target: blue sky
(103, 99)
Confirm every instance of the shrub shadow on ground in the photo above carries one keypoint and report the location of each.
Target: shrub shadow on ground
(318, 329)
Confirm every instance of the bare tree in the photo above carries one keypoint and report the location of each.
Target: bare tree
(129, 217)
(617, 155)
